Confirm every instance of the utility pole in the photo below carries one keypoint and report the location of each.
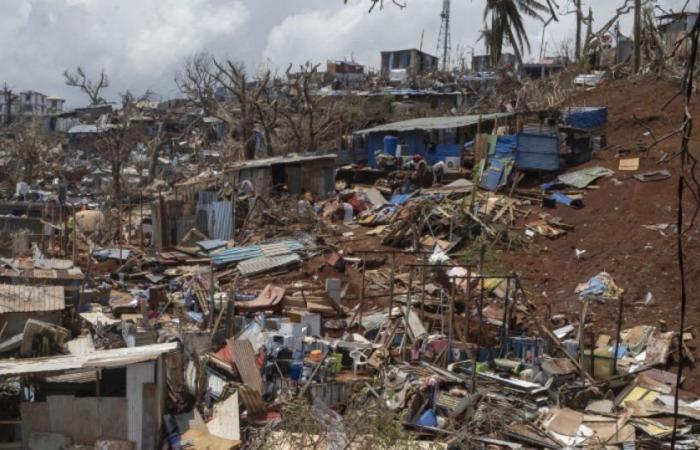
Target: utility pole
(444, 39)
(578, 29)
(637, 34)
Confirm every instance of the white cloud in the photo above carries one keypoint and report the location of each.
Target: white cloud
(141, 43)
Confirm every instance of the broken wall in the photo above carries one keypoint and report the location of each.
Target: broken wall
(84, 420)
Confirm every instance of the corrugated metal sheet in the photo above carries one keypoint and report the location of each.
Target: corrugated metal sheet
(212, 244)
(330, 394)
(537, 152)
(586, 117)
(182, 226)
(435, 123)
(266, 264)
(221, 227)
(119, 357)
(22, 298)
(238, 254)
(244, 357)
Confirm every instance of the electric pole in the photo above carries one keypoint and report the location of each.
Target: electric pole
(637, 34)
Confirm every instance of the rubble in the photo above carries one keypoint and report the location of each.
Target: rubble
(285, 302)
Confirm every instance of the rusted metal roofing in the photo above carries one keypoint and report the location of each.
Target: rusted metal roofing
(23, 298)
(119, 357)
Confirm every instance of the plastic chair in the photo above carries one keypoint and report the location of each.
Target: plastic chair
(359, 360)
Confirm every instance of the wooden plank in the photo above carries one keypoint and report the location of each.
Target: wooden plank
(244, 357)
(251, 399)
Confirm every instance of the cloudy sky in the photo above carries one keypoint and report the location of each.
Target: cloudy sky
(142, 43)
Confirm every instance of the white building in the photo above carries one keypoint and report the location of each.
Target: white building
(28, 104)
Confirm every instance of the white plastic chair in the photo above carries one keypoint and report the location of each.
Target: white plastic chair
(359, 360)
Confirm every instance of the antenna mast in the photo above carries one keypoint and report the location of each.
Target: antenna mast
(444, 46)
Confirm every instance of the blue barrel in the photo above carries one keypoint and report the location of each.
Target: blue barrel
(295, 370)
(390, 145)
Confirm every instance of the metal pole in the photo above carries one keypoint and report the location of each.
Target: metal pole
(128, 233)
(451, 325)
(504, 325)
(467, 303)
(141, 216)
(422, 295)
(211, 293)
(409, 301)
(617, 334)
(75, 236)
(362, 291)
(391, 285)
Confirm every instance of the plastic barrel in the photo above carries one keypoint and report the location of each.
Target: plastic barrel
(390, 145)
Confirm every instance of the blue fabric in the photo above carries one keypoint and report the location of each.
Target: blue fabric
(399, 199)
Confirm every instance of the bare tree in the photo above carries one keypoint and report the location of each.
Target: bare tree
(380, 3)
(565, 49)
(93, 89)
(308, 116)
(223, 90)
(118, 136)
(28, 149)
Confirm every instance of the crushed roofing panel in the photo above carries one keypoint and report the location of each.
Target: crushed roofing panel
(118, 357)
(238, 254)
(22, 298)
(435, 123)
(267, 162)
(266, 264)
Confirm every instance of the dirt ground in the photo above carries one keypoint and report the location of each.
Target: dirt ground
(609, 227)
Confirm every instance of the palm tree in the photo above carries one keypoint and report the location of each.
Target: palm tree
(485, 34)
(506, 18)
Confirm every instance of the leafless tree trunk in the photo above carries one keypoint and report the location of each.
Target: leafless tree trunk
(93, 89)
(578, 29)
